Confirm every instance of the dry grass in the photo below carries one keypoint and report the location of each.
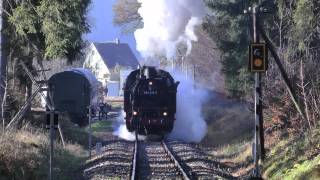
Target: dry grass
(227, 123)
(237, 155)
(230, 133)
(24, 154)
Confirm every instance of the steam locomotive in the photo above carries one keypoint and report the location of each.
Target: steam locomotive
(150, 101)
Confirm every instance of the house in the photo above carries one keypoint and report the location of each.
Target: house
(107, 61)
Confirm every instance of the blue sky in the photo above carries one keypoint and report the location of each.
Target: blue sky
(102, 28)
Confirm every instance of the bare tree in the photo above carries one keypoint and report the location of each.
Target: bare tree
(126, 15)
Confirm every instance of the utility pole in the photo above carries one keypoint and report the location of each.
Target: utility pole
(3, 53)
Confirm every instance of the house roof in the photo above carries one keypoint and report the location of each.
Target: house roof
(116, 53)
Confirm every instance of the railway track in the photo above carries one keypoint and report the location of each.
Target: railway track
(154, 160)
(114, 162)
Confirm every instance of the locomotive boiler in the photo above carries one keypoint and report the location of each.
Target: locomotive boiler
(150, 101)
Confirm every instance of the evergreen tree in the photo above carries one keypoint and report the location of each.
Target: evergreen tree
(41, 30)
(229, 29)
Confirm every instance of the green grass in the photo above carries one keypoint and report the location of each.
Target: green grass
(309, 169)
(73, 133)
(100, 126)
(294, 158)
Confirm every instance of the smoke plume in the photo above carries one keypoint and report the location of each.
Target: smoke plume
(190, 125)
(167, 23)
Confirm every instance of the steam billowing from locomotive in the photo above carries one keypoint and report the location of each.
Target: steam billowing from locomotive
(189, 125)
(167, 23)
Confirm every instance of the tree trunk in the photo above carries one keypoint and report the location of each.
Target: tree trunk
(3, 54)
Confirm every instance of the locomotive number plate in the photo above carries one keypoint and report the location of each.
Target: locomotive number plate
(150, 92)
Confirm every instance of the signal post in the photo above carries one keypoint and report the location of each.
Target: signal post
(52, 125)
(257, 64)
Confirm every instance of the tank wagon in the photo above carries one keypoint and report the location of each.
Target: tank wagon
(72, 91)
(150, 101)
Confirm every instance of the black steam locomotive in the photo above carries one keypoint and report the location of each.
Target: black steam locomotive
(150, 101)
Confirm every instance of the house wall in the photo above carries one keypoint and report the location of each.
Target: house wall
(95, 63)
(123, 77)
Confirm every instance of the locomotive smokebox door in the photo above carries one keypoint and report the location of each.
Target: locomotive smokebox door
(135, 122)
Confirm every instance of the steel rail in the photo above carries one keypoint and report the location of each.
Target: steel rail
(176, 162)
(134, 161)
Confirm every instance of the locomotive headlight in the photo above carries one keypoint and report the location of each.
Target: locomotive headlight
(135, 113)
(165, 113)
(150, 83)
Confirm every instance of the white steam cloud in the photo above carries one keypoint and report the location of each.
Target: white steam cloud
(120, 129)
(190, 125)
(167, 23)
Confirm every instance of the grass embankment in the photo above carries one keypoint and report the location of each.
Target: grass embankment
(24, 154)
(230, 131)
(289, 155)
(227, 123)
(294, 157)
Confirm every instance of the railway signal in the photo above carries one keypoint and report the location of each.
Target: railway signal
(258, 57)
(258, 65)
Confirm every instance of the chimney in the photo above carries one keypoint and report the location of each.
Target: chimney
(117, 41)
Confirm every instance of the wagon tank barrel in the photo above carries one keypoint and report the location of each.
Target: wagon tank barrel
(73, 91)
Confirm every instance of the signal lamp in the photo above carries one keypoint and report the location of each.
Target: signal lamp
(258, 58)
